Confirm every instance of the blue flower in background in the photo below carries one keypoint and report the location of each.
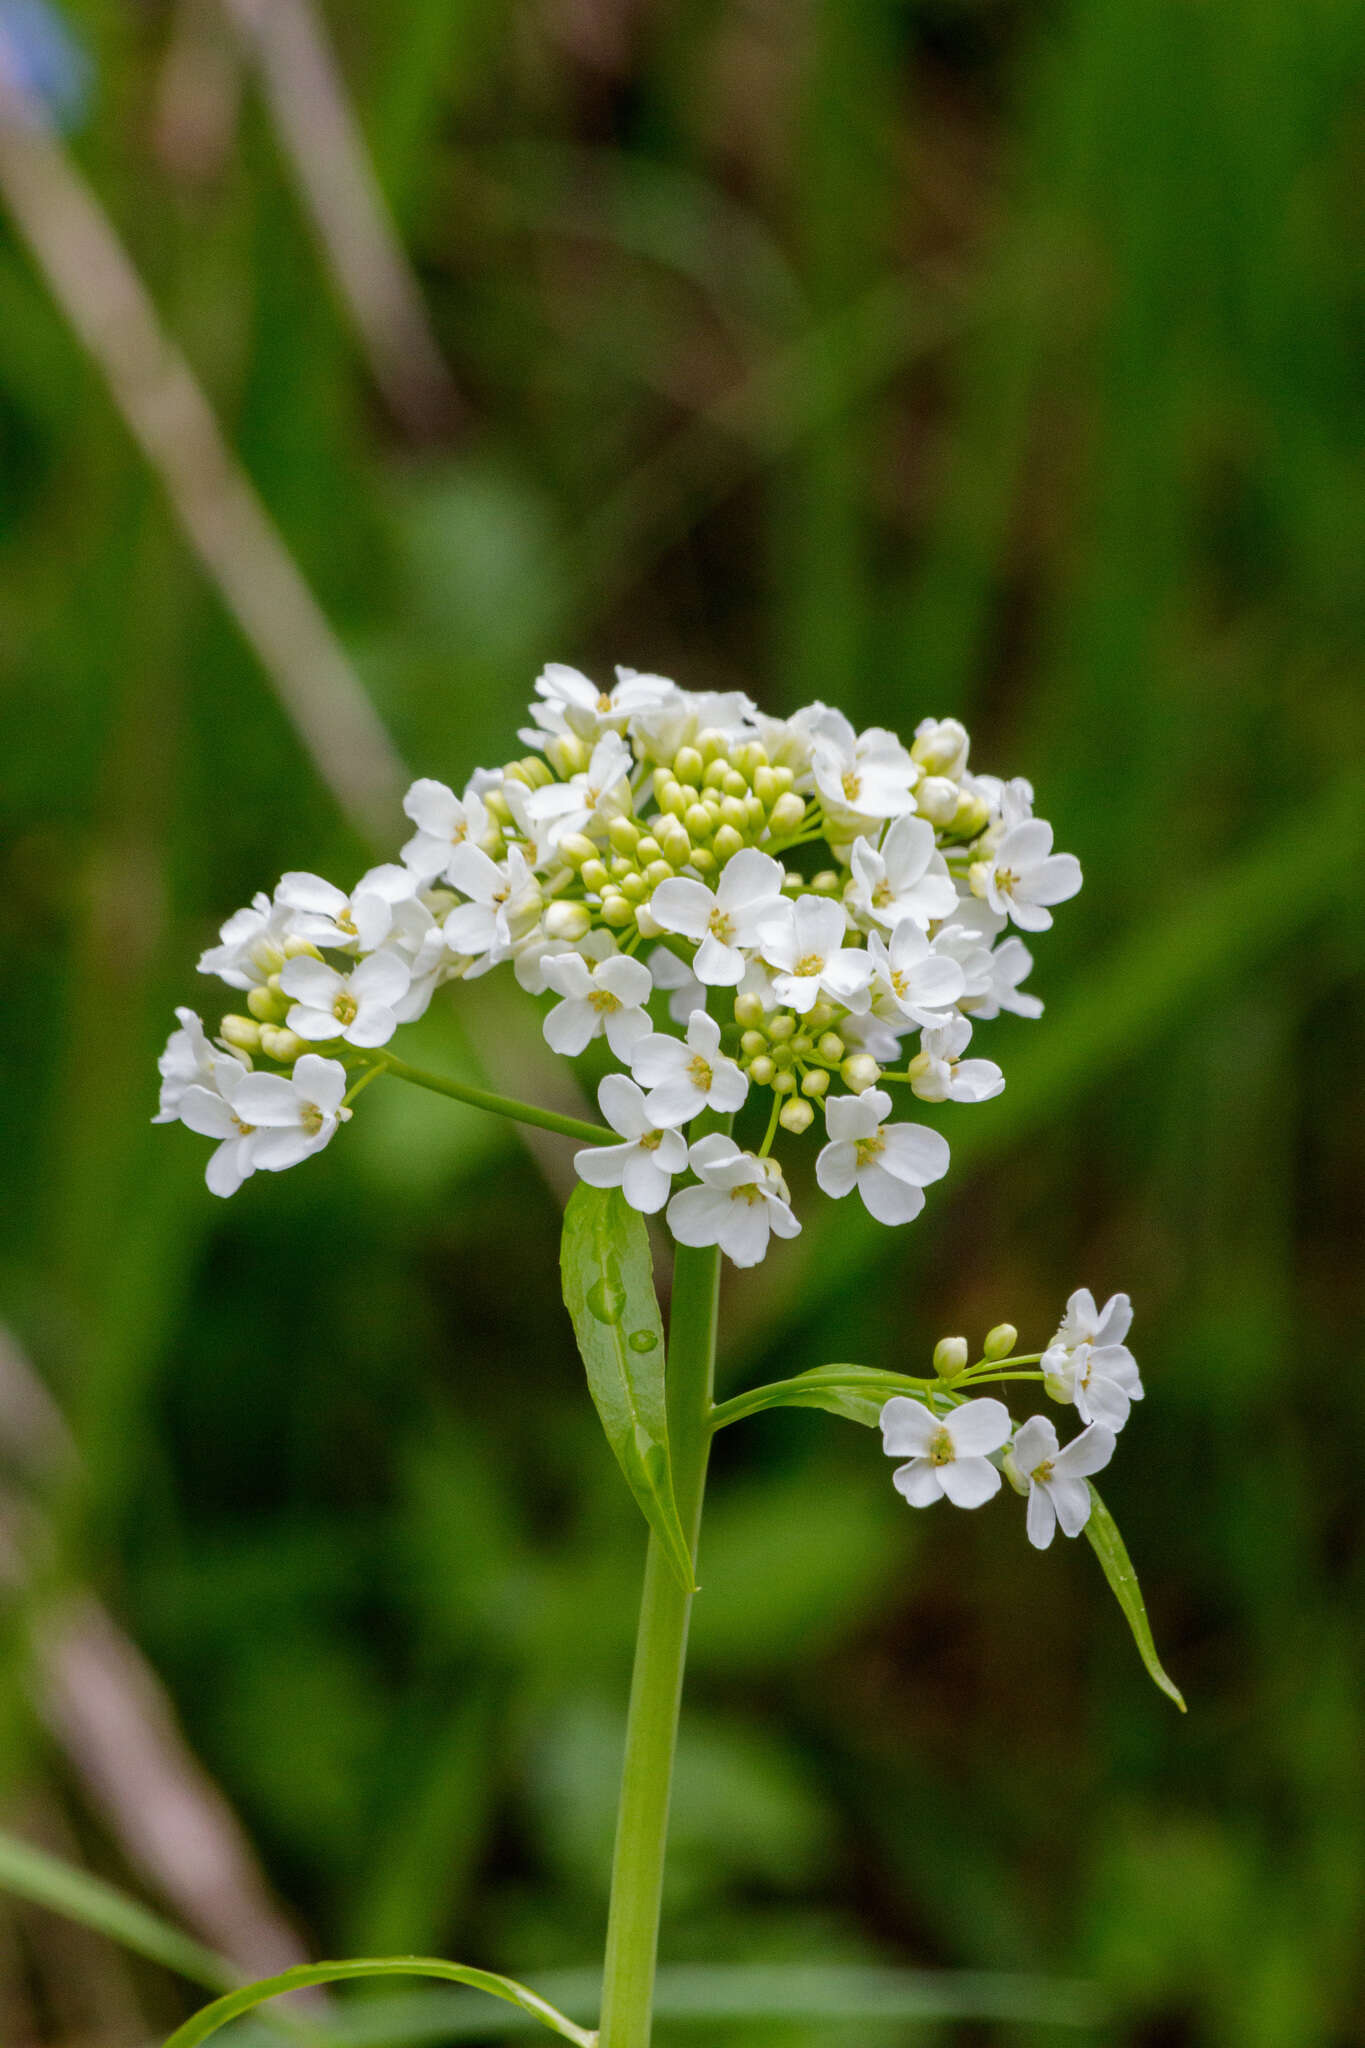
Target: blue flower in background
(40, 55)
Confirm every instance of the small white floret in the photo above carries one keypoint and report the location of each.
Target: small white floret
(740, 1202)
(644, 1166)
(949, 1455)
(686, 1076)
(1055, 1478)
(889, 1166)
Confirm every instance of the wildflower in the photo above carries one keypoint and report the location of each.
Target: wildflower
(906, 877)
(948, 1454)
(740, 1201)
(938, 1072)
(188, 1059)
(601, 792)
(292, 1115)
(686, 1076)
(505, 903)
(749, 889)
(861, 775)
(444, 821)
(606, 998)
(1055, 1479)
(358, 923)
(685, 992)
(889, 1167)
(571, 702)
(804, 941)
(1024, 876)
(1006, 966)
(359, 1006)
(912, 981)
(251, 944)
(644, 1166)
(209, 1108)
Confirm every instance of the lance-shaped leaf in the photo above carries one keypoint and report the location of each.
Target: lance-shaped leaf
(609, 1292)
(857, 1392)
(1108, 1547)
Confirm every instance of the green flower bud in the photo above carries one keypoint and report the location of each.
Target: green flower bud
(815, 1083)
(783, 1056)
(802, 1045)
(689, 766)
(243, 1032)
(727, 842)
(699, 821)
(617, 910)
(950, 1357)
(648, 849)
(860, 1071)
(1000, 1341)
(831, 1047)
(971, 816)
(634, 886)
(782, 1026)
(267, 1005)
(714, 745)
(567, 755)
(1017, 1479)
(568, 921)
(594, 874)
(767, 788)
(294, 949)
(749, 758)
(704, 861)
(576, 847)
(937, 799)
(618, 867)
(784, 1082)
(734, 811)
(749, 1011)
(796, 1115)
(675, 799)
(659, 871)
(762, 1071)
(755, 814)
(285, 1046)
(787, 813)
(714, 774)
(785, 779)
(497, 806)
(826, 883)
(624, 834)
(752, 1044)
(734, 784)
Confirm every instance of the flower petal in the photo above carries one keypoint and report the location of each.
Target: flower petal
(969, 1481)
(979, 1426)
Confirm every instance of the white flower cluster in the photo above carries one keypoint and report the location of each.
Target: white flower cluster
(735, 903)
(957, 1448)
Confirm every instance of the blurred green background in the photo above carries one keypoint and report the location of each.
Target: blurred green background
(989, 357)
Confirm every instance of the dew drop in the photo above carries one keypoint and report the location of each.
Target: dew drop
(642, 1340)
(607, 1299)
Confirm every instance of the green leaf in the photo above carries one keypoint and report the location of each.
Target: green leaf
(609, 1293)
(45, 1880)
(857, 1392)
(249, 1996)
(1108, 1547)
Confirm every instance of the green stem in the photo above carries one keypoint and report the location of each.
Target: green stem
(501, 1105)
(660, 1654)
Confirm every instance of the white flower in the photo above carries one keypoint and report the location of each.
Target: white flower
(570, 702)
(643, 1168)
(686, 1076)
(504, 907)
(938, 1073)
(940, 746)
(444, 821)
(601, 792)
(685, 992)
(861, 775)
(912, 980)
(686, 714)
(530, 954)
(359, 1006)
(804, 941)
(1087, 1361)
(907, 877)
(210, 1109)
(251, 946)
(295, 1115)
(605, 998)
(749, 889)
(1057, 1491)
(1006, 967)
(1024, 876)
(358, 922)
(740, 1201)
(948, 1453)
(189, 1058)
(889, 1167)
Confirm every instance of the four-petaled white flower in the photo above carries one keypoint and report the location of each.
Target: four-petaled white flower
(912, 981)
(938, 1072)
(948, 1454)
(861, 775)
(358, 922)
(643, 1168)
(1088, 1362)
(572, 702)
(1057, 1491)
(210, 1108)
(606, 998)
(505, 901)
(804, 942)
(251, 944)
(444, 821)
(905, 877)
(189, 1058)
(685, 992)
(686, 1076)
(1024, 876)
(749, 889)
(359, 1007)
(740, 1202)
(294, 1115)
(601, 792)
(890, 1167)
(1007, 966)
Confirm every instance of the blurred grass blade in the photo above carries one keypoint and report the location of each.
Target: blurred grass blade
(740, 1996)
(45, 1880)
(609, 1293)
(857, 1392)
(249, 1996)
(1108, 1547)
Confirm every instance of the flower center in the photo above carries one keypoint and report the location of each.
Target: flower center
(883, 894)
(869, 1149)
(721, 926)
(603, 701)
(604, 1001)
(699, 1073)
(344, 1008)
(941, 1450)
(898, 981)
(651, 1141)
(1042, 1473)
(346, 923)
(244, 1129)
(809, 964)
(310, 1116)
(748, 1191)
(1006, 881)
(852, 785)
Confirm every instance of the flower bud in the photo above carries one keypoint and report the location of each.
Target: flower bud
(279, 1044)
(950, 1357)
(787, 813)
(699, 821)
(673, 841)
(296, 948)
(647, 850)
(267, 1005)
(243, 1033)
(634, 886)
(815, 1083)
(658, 871)
(675, 798)
(767, 788)
(616, 910)
(594, 874)
(624, 835)
(1000, 1341)
(1017, 1479)
(782, 1026)
(713, 745)
(796, 1115)
(568, 921)
(755, 814)
(860, 1071)
(826, 883)
(713, 777)
(733, 784)
(785, 779)
(727, 842)
(534, 770)
(646, 924)
(567, 755)
(689, 766)
(940, 746)
(783, 1082)
(734, 811)
(752, 1044)
(748, 1010)
(762, 1071)
(831, 1047)
(704, 861)
(937, 799)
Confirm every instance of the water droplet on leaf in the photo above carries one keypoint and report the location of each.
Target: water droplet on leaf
(642, 1340)
(607, 1299)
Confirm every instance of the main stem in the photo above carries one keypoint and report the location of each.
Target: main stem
(660, 1653)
